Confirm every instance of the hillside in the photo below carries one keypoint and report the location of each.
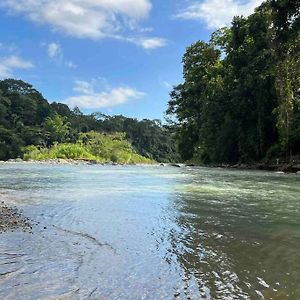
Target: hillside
(28, 119)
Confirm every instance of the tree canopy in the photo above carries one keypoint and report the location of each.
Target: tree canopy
(239, 101)
(27, 118)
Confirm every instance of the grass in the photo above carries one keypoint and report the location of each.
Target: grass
(103, 148)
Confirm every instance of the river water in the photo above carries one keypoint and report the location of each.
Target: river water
(131, 232)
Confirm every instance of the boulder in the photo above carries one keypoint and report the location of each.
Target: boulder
(176, 165)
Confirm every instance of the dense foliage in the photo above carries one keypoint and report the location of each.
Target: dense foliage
(240, 99)
(26, 118)
(95, 146)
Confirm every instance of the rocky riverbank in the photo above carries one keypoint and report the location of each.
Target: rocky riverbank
(61, 161)
(282, 167)
(11, 219)
(53, 161)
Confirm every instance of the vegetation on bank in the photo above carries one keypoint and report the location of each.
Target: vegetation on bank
(240, 99)
(27, 118)
(103, 148)
(239, 103)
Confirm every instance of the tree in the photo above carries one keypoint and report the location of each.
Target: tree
(56, 129)
(240, 95)
(286, 19)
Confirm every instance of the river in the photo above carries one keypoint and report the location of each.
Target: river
(133, 232)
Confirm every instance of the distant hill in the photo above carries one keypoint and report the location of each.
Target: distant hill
(27, 118)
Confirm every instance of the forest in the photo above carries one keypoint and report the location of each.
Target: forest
(239, 103)
(32, 127)
(240, 98)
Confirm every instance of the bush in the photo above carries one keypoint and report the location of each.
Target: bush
(90, 146)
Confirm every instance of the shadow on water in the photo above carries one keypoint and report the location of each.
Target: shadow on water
(236, 236)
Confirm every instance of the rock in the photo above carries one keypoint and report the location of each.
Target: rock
(298, 172)
(296, 168)
(191, 165)
(11, 219)
(176, 165)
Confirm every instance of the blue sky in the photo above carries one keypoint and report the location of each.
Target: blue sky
(113, 56)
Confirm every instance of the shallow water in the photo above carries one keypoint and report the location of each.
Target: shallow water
(132, 232)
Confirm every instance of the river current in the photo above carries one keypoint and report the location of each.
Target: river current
(153, 232)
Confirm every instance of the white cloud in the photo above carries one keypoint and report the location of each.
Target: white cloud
(150, 43)
(94, 19)
(89, 18)
(89, 98)
(55, 51)
(71, 65)
(11, 63)
(84, 87)
(218, 13)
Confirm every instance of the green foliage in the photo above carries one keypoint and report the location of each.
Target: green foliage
(103, 148)
(148, 137)
(10, 144)
(111, 147)
(56, 129)
(62, 151)
(240, 95)
(26, 118)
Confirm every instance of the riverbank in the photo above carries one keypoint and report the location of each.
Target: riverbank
(284, 167)
(60, 161)
(11, 219)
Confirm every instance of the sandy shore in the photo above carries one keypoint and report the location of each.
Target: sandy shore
(11, 219)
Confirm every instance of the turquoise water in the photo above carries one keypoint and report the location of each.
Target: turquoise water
(131, 232)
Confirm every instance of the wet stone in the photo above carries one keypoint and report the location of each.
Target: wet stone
(12, 219)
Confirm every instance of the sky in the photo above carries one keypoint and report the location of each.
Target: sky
(112, 56)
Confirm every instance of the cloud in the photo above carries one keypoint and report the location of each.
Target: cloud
(150, 43)
(94, 19)
(70, 64)
(84, 87)
(11, 63)
(89, 98)
(89, 18)
(55, 51)
(218, 13)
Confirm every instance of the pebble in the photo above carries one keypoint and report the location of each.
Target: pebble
(11, 219)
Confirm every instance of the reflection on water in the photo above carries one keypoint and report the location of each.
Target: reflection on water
(151, 233)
